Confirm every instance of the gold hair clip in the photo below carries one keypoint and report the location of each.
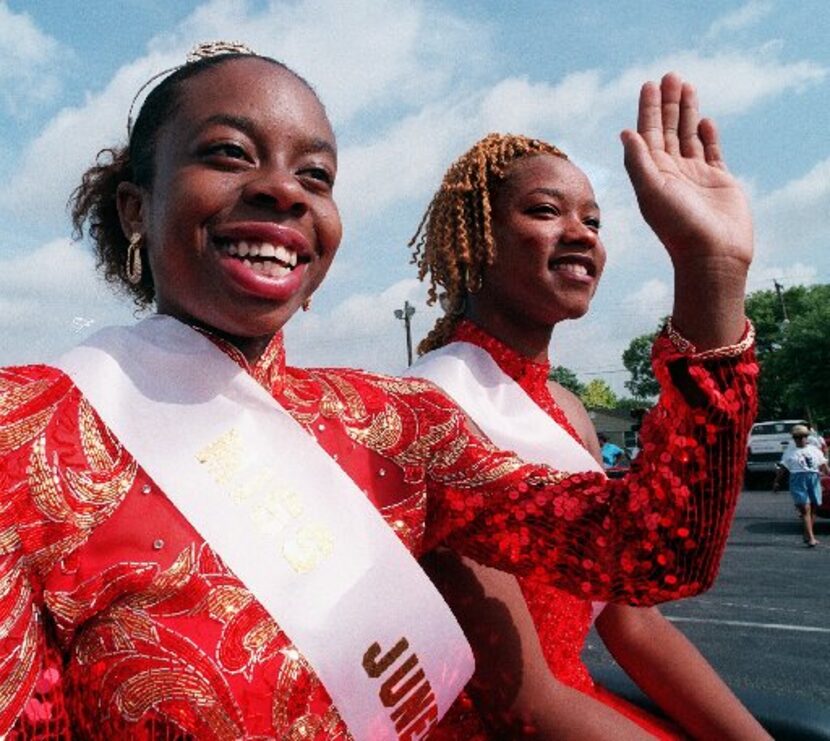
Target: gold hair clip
(205, 50)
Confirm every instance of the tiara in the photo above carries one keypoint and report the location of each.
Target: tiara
(205, 50)
(208, 49)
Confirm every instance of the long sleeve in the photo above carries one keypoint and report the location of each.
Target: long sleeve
(658, 534)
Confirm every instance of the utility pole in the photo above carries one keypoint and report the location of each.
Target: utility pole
(779, 290)
(406, 314)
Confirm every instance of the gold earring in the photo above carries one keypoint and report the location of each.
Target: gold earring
(474, 284)
(133, 268)
(307, 304)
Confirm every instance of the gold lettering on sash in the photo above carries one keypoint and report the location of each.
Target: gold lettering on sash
(223, 457)
(271, 508)
(405, 690)
(311, 545)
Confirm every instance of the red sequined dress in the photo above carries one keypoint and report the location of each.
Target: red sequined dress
(118, 621)
(562, 620)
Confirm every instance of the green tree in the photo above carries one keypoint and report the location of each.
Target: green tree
(637, 361)
(567, 378)
(630, 404)
(597, 394)
(793, 354)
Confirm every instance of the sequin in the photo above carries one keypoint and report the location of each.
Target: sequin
(562, 620)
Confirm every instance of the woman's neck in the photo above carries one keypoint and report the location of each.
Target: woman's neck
(525, 337)
(252, 348)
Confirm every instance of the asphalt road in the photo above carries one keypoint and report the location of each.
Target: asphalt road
(765, 625)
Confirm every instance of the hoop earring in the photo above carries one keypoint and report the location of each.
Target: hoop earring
(132, 269)
(306, 304)
(473, 284)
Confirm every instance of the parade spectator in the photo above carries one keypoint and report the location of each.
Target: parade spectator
(804, 462)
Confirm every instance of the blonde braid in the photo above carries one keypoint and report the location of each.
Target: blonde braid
(454, 241)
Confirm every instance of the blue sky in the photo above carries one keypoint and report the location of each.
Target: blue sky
(409, 86)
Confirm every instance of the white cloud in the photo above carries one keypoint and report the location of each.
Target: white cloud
(405, 162)
(581, 114)
(355, 54)
(745, 16)
(69, 143)
(376, 54)
(51, 298)
(362, 330)
(29, 74)
(792, 219)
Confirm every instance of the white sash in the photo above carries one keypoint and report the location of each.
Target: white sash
(503, 410)
(285, 518)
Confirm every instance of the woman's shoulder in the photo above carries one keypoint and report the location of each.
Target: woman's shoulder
(576, 414)
(29, 389)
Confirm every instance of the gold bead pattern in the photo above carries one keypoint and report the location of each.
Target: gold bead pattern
(686, 347)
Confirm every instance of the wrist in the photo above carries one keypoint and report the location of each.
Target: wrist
(683, 345)
(709, 302)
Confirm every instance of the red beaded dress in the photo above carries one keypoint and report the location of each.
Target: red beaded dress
(562, 620)
(118, 621)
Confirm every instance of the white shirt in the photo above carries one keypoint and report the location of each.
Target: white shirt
(809, 459)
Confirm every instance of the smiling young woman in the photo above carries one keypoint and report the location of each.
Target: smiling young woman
(200, 541)
(529, 235)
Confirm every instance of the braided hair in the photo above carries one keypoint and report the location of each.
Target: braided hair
(454, 241)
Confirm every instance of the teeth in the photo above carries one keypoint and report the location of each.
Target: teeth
(283, 255)
(572, 267)
(279, 252)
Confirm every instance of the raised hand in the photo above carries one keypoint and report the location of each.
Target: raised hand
(695, 206)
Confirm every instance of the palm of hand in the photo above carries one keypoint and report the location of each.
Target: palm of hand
(686, 194)
(696, 209)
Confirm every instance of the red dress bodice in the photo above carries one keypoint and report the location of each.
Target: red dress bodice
(562, 620)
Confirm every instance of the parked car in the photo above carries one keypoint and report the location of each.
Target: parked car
(824, 509)
(767, 441)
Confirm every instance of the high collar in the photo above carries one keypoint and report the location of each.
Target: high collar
(529, 374)
(268, 371)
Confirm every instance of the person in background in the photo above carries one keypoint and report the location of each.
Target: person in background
(610, 453)
(512, 239)
(804, 462)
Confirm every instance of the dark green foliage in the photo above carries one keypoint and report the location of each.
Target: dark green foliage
(794, 355)
(637, 361)
(567, 378)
